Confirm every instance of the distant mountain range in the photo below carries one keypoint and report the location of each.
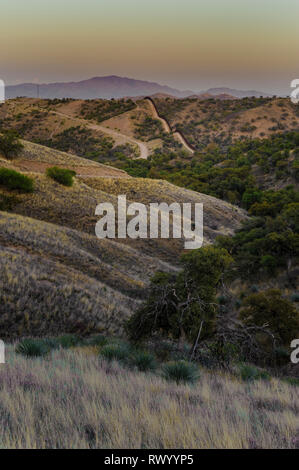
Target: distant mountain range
(237, 93)
(112, 87)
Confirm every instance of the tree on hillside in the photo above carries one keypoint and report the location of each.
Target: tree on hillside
(183, 306)
(10, 145)
(270, 308)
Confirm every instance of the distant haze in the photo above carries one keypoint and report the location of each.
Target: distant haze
(112, 87)
(186, 44)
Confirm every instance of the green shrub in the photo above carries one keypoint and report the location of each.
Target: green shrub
(10, 145)
(98, 340)
(291, 381)
(180, 372)
(61, 175)
(144, 361)
(282, 355)
(32, 347)
(250, 373)
(7, 203)
(295, 297)
(12, 179)
(115, 352)
(270, 307)
(67, 341)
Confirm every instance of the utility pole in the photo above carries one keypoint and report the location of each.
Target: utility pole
(37, 90)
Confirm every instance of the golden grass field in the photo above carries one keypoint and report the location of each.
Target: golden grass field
(74, 399)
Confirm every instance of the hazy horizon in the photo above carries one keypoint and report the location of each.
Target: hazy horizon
(190, 44)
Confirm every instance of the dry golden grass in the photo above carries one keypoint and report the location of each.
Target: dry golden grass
(50, 200)
(57, 279)
(76, 400)
(37, 158)
(220, 217)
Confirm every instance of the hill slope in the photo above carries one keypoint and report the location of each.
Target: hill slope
(56, 274)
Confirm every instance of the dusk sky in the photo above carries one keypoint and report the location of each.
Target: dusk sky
(188, 44)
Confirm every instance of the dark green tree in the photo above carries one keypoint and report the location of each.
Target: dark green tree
(10, 145)
(183, 306)
(272, 309)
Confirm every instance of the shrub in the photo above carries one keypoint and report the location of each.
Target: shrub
(291, 381)
(7, 203)
(32, 347)
(269, 307)
(249, 373)
(117, 352)
(61, 175)
(181, 372)
(10, 145)
(98, 340)
(144, 361)
(295, 297)
(282, 355)
(12, 179)
(67, 341)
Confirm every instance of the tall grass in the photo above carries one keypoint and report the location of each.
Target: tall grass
(72, 399)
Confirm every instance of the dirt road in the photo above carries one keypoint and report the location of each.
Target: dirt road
(144, 151)
(177, 135)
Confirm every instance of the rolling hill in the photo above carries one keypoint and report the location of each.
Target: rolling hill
(56, 275)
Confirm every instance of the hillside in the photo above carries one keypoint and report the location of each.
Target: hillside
(66, 296)
(223, 122)
(56, 274)
(89, 403)
(106, 130)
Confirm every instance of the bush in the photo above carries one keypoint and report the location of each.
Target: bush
(282, 355)
(115, 352)
(61, 175)
(67, 341)
(32, 347)
(144, 361)
(7, 203)
(181, 372)
(10, 145)
(270, 307)
(295, 297)
(250, 373)
(291, 381)
(12, 179)
(98, 340)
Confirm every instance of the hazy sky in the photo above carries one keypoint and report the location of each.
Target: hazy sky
(189, 44)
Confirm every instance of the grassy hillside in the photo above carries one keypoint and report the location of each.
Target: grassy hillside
(68, 289)
(75, 399)
(56, 275)
(222, 122)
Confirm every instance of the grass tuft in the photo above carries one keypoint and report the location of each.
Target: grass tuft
(144, 361)
(249, 373)
(181, 372)
(30, 347)
(115, 352)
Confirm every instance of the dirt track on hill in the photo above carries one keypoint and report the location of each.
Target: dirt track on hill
(144, 151)
(167, 128)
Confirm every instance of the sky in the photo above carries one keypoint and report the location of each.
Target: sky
(187, 44)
